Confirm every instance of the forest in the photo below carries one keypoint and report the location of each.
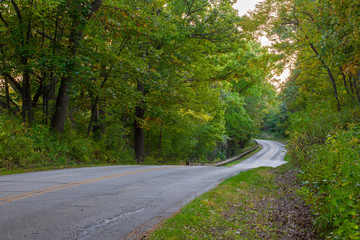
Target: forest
(121, 82)
(171, 81)
(319, 104)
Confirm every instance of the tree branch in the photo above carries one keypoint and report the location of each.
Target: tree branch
(13, 83)
(17, 10)
(3, 20)
(95, 5)
(17, 107)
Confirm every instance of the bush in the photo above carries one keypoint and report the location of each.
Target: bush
(22, 147)
(16, 148)
(331, 176)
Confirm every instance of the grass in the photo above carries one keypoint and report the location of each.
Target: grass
(223, 213)
(245, 206)
(243, 158)
(47, 168)
(55, 166)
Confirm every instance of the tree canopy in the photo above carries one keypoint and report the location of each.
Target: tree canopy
(153, 79)
(319, 103)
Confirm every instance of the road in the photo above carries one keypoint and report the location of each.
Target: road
(112, 202)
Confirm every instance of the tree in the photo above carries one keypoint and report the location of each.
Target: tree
(80, 12)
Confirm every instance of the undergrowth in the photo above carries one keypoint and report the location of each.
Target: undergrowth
(331, 176)
(22, 147)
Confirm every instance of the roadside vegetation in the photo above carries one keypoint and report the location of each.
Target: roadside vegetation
(319, 104)
(261, 203)
(87, 82)
(243, 157)
(127, 82)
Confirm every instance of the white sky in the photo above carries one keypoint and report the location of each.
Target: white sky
(243, 6)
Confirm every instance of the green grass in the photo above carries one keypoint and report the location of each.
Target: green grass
(244, 157)
(227, 212)
(47, 168)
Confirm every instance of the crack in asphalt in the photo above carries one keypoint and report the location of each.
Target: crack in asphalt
(88, 231)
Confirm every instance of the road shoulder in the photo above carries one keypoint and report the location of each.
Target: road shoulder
(261, 203)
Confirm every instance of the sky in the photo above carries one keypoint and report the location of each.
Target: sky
(243, 6)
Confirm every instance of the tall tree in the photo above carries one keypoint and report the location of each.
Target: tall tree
(80, 12)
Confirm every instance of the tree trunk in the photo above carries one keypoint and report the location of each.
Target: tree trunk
(45, 106)
(160, 141)
(94, 123)
(332, 79)
(62, 100)
(344, 81)
(331, 76)
(7, 95)
(356, 88)
(27, 108)
(139, 135)
(351, 85)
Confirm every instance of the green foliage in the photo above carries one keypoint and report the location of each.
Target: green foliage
(331, 175)
(319, 102)
(68, 65)
(22, 147)
(16, 145)
(239, 125)
(275, 122)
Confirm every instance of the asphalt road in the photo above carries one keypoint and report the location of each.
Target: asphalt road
(113, 202)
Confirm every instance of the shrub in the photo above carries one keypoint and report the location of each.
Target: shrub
(24, 147)
(331, 176)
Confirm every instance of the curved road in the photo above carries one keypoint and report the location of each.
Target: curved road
(113, 202)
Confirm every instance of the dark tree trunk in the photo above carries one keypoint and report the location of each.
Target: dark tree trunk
(45, 106)
(344, 81)
(100, 126)
(351, 85)
(94, 124)
(147, 145)
(331, 76)
(38, 94)
(48, 94)
(95, 119)
(332, 79)
(356, 88)
(62, 100)
(7, 95)
(139, 135)
(160, 142)
(27, 108)
(92, 118)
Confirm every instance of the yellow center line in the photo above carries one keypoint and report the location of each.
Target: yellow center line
(72, 184)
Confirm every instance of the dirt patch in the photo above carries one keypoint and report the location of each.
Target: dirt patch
(280, 213)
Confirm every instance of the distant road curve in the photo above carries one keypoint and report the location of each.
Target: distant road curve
(112, 202)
